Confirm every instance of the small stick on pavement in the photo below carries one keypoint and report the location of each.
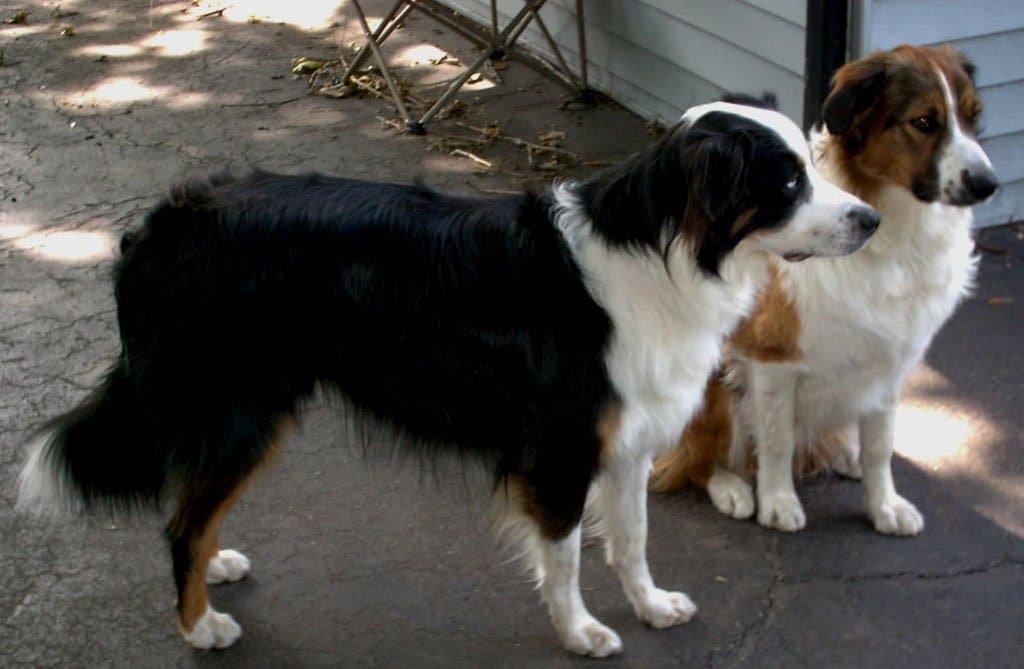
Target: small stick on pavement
(475, 158)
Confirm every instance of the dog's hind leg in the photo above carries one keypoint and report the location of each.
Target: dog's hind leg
(207, 496)
(622, 504)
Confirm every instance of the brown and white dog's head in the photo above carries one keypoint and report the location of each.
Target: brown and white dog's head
(909, 117)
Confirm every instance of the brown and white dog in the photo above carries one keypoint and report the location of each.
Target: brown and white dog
(823, 356)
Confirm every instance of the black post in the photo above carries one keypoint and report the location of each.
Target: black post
(824, 53)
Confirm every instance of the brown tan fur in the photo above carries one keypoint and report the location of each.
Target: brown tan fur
(608, 428)
(772, 331)
(882, 145)
(704, 444)
(517, 496)
(193, 601)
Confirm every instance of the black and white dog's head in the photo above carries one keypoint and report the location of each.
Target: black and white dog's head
(727, 175)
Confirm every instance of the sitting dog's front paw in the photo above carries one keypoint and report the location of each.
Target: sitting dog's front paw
(591, 638)
(731, 494)
(896, 516)
(661, 609)
(847, 464)
(780, 510)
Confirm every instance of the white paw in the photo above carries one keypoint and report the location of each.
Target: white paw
(663, 609)
(592, 638)
(896, 516)
(847, 464)
(781, 510)
(227, 566)
(731, 495)
(213, 630)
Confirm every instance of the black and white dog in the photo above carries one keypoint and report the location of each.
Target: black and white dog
(566, 337)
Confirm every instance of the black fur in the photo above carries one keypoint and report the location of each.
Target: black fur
(463, 322)
(698, 180)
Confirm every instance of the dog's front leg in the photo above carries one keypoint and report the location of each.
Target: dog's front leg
(773, 389)
(622, 500)
(559, 567)
(891, 513)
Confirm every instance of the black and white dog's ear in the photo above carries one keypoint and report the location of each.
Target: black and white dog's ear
(720, 164)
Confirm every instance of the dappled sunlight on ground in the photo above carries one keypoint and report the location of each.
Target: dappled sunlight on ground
(180, 42)
(70, 247)
(936, 437)
(1006, 504)
(115, 91)
(959, 443)
(938, 430)
(109, 50)
(63, 246)
(311, 14)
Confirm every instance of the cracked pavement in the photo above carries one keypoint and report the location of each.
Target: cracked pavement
(357, 561)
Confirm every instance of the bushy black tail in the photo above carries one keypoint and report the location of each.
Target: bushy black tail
(104, 453)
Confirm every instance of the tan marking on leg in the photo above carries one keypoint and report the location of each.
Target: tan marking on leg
(194, 600)
(704, 444)
(772, 331)
(608, 428)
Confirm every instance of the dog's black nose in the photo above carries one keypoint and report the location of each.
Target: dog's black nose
(980, 184)
(865, 218)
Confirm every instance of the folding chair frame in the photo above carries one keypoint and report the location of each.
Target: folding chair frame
(496, 44)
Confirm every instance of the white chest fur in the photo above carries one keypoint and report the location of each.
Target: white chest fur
(867, 319)
(669, 325)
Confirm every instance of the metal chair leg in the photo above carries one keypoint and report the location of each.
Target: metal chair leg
(384, 71)
(392, 20)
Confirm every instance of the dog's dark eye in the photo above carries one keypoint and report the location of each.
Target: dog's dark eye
(790, 186)
(926, 124)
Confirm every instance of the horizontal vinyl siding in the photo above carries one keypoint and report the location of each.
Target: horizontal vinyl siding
(1005, 153)
(794, 11)
(990, 33)
(893, 22)
(999, 56)
(659, 57)
(763, 35)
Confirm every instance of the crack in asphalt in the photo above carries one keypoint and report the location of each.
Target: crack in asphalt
(746, 642)
(924, 576)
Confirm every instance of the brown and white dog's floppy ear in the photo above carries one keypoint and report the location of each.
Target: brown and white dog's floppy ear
(856, 88)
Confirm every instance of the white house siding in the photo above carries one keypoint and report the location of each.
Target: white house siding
(658, 57)
(991, 33)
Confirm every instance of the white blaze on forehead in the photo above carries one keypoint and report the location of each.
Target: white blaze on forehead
(771, 119)
(962, 152)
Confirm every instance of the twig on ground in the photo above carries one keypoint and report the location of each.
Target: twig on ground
(391, 123)
(213, 12)
(274, 103)
(472, 156)
(531, 147)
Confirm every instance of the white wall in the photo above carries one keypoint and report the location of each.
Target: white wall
(991, 33)
(658, 57)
